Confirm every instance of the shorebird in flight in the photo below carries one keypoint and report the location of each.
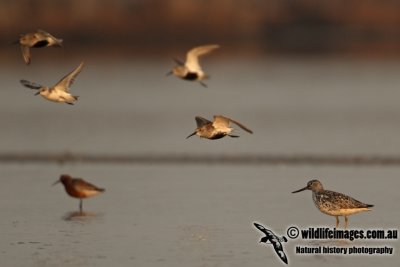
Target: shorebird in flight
(37, 39)
(274, 240)
(217, 129)
(60, 91)
(78, 188)
(190, 69)
(334, 203)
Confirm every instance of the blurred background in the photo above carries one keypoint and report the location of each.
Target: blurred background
(309, 77)
(366, 28)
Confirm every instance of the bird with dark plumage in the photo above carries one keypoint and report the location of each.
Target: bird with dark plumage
(274, 240)
(190, 69)
(37, 39)
(217, 129)
(78, 188)
(334, 203)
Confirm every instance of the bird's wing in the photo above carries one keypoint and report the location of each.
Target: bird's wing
(241, 126)
(41, 34)
(220, 121)
(263, 229)
(26, 54)
(346, 202)
(200, 121)
(274, 241)
(192, 57)
(66, 81)
(44, 33)
(279, 251)
(82, 184)
(30, 84)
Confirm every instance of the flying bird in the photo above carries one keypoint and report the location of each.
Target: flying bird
(190, 69)
(334, 203)
(217, 129)
(60, 91)
(274, 240)
(37, 39)
(78, 188)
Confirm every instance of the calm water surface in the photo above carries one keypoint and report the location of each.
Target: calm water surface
(182, 215)
(194, 215)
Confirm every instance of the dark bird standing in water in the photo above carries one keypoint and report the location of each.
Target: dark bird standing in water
(78, 188)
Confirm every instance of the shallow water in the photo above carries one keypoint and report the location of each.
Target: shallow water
(194, 215)
(181, 215)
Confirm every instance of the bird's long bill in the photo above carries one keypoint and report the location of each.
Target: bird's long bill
(304, 188)
(168, 73)
(191, 134)
(37, 93)
(56, 182)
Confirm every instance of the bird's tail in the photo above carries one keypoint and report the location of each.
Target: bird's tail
(75, 97)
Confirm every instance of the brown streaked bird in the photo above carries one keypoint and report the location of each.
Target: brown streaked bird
(334, 203)
(78, 188)
(191, 69)
(59, 92)
(217, 129)
(37, 39)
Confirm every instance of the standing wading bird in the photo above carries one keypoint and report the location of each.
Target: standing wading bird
(274, 240)
(59, 92)
(334, 203)
(78, 188)
(191, 69)
(216, 129)
(36, 39)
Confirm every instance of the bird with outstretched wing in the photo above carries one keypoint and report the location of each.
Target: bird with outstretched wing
(274, 240)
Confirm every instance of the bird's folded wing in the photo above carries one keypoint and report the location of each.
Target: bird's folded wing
(83, 185)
